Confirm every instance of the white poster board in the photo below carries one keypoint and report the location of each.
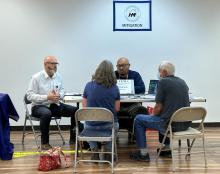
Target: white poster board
(132, 15)
(126, 86)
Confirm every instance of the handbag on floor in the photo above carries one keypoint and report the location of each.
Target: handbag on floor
(51, 159)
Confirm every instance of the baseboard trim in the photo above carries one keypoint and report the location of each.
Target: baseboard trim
(67, 127)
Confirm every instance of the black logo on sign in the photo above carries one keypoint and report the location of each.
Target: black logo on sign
(132, 13)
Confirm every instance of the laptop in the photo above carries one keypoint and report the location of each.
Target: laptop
(153, 87)
(126, 86)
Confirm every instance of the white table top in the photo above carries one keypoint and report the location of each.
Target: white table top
(131, 98)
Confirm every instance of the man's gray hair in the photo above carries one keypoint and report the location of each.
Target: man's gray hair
(168, 67)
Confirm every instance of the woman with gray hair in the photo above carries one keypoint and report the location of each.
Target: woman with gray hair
(103, 92)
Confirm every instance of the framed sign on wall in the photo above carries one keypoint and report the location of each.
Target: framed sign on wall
(132, 16)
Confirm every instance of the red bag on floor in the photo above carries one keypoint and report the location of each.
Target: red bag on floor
(51, 159)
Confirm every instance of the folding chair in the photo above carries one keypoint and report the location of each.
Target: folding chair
(95, 114)
(182, 115)
(31, 118)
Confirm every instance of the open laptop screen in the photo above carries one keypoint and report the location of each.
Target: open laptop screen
(153, 86)
(126, 86)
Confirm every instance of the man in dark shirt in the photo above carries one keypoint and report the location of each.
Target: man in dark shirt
(124, 72)
(172, 94)
(129, 110)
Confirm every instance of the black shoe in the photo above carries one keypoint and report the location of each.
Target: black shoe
(138, 157)
(166, 153)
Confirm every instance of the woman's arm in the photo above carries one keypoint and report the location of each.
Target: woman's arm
(117, 105)
(84, 102)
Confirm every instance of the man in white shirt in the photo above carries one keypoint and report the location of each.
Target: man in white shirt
(45, 91)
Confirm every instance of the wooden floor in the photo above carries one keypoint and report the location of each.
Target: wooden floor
(25, 160)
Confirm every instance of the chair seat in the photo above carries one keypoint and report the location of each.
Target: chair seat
(98, 139)
(189, 131)
(97, 133)
(34, 118)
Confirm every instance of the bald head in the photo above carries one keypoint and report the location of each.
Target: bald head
(50, 59)
(123, 67)
(50, 65)
(123, 60)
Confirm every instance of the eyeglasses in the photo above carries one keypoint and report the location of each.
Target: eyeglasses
(122, 65)
(53, 63)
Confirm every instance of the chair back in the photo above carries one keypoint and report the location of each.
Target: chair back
(26, 101)
(189, 114)
(94, 114)
(27, 107)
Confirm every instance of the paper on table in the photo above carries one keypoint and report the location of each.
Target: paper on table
(72, 94)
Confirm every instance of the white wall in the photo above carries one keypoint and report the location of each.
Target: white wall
(79, 32)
